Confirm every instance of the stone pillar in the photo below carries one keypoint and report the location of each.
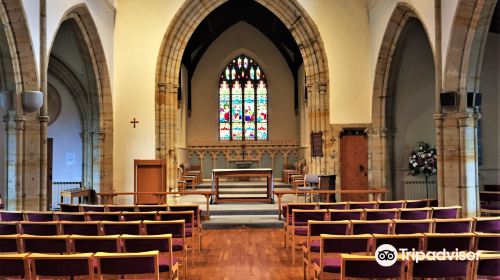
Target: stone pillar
(380, 154)
(460, 161)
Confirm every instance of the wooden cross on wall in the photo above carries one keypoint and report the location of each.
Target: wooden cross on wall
(134, 122)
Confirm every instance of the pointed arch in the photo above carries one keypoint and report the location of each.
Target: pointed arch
(185, 22)
(381, 137)
(99, 136)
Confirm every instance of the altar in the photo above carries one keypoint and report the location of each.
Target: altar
(246, 172)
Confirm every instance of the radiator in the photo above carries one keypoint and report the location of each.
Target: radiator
(414, 187)
(58, 187)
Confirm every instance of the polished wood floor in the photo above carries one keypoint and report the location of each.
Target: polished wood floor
(243, 254)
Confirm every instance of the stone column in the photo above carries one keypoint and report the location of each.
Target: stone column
(381, 154)
(460, 161)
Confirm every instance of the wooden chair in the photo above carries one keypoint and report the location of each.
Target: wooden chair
(119, 208)
(38, 228)
(93, 244)
(487, 267)
(362, 205)
(198, 229)
(365, 227)
(415, 213)
(333, 205)
(14, 265)
(453, 225)
(412, 226)
(487, 242)
(399, 241)
(69, 216)
(127, 263)
(140, 216)
(386, 204)
(332, 246)
(57, 244)
(288, 216)
(38, 216)
(69, 207)
(112, 228)
(449, 241)
(11, 216)
(449, 269)
(103, 216)
(152, 208)
(299, 228)
(340, 215)
(450, 212)
(417, 203)
(74, 265)
(356, 266)
(487, 224)
(161, 243)
(187, 179)
(92, 228)
(8, 228)
(91, 208)
(381, 214)
(9, 243)
(490, 202)
(188, 217)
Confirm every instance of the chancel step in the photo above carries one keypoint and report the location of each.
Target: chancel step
(245, 221)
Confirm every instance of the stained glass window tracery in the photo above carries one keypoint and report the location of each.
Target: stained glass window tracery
(243, 101)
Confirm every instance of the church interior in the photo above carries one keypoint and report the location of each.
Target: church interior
(250, 139)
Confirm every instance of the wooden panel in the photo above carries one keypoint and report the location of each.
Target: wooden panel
(354, 165)
(317, 144)
(149, 176)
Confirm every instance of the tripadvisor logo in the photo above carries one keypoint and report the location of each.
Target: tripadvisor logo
(386, 255)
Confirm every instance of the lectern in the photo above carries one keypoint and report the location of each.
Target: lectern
(150, 175)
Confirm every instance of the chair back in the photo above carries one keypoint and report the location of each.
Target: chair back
(415, 214)
(340, 215)
(91, 208)
(142, 243)
(391, 204)
(418, 203)
(69, 207)
(58, 244)
(356, 266)
(448, 241)
(175, 227)
(80, 228)
(139, 216)
(92, 244)
(111, 228)
(316, 228)
(365, 227)
(335, 205)
(8, 228)
(103, 216)
(381, 214)
(488, 266)
(11, 216)
(453, 225)
(38, 228)
(62, 265)
(119, 208)
(148, 208)
(492, 188)
(363, 205)
(300, 217)
(69, 216)
(487, 242)
(14, 265)
(188, 207)
(9, 243)
(413, 226)
(38, 216)
(439, 269)
(304, 206)
(487, 224)
(399, 241)
(452, 212)
(127, 263)
(345, 243)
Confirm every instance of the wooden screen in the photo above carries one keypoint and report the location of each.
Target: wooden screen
(149, 176)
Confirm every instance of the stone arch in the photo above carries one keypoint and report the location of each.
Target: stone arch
(381, 138)
(184, 23)
(98, 137)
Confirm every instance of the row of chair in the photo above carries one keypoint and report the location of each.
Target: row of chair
(490, 202)
(380, 214)
(360, 266)
(422, 203)
(330, 246)
(303, 230)
(32, 266)
(126, 207)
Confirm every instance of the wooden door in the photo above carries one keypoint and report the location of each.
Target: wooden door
(354, 164)
(50, 144)
(149, 176)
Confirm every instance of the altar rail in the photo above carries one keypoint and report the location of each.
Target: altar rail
(107, 198)
(258, 155)
(373, 194)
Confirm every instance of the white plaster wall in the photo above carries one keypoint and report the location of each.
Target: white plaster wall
(490, 111)
(240, 38)
(414, 106)
(448, 10)
(3, 151)
(343, 26)
(102, 12)
(65, 131)
(139, 32)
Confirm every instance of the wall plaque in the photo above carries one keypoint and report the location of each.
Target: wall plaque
(317, 144)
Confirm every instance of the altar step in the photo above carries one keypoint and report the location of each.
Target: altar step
(242, 221)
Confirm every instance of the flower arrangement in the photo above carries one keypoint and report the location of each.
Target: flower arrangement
(423, 160)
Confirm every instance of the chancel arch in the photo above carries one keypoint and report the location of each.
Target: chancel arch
(303, 31)
(404, 20)
(78, 64)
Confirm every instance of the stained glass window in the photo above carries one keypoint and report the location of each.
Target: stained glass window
(243, 101)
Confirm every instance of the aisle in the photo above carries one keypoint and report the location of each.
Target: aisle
(243, 254)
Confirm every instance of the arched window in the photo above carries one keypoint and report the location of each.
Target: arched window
(243, 101)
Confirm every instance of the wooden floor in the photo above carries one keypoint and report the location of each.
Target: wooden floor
(243, 254)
